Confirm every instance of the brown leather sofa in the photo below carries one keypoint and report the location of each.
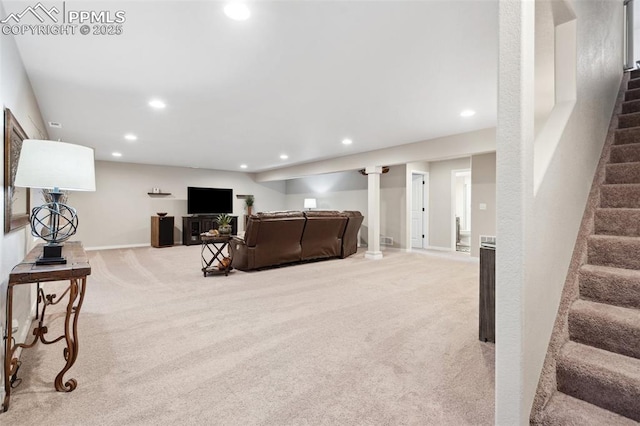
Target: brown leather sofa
(350, 237)
(277, 238)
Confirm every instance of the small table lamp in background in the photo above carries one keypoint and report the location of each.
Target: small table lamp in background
(57, 166)
(309, 203)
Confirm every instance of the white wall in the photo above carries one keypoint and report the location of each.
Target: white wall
(393, 214)
(536, 233)
(17, 95)
(440, 213)
(483, 191)
(118, 213)
(333, 191)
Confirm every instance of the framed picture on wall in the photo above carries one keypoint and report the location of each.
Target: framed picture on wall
(16, 200)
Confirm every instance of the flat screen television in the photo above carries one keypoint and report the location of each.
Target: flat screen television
(209, 200)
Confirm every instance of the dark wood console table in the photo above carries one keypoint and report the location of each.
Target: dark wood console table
(76, 271)
(194, 226)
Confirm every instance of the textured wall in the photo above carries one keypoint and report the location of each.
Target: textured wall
(483, 190)
(440, 213)
(16, 94)
(537, 233)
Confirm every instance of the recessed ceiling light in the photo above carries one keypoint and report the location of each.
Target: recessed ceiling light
(467, 113)
(55, 125)
(347, 141)
(284, 156)
(157, 104)
(116, 154)
(237, 11)
(130, 137)
(243, 166)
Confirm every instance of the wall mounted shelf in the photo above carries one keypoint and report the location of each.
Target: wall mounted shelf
(159, 193)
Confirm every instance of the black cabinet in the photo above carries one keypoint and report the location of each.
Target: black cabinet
(487, 294)
(161, 231)
(193, 226)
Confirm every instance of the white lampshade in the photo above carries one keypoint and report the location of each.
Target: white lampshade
(309, 203)
(50, 164)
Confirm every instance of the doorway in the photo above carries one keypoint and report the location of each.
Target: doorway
(461, 210)
(419, 209)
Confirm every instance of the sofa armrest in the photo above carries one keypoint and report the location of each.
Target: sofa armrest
(239, 256)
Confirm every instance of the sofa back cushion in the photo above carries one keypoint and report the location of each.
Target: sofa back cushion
(350, 237)
(322, 235)
(275, 237)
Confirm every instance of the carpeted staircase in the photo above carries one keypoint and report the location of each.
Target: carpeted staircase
(598, 369)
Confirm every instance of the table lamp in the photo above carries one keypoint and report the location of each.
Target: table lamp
(56, 166)
(309, 203)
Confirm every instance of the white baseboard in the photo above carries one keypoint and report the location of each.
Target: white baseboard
(438, 248)
(117, 247)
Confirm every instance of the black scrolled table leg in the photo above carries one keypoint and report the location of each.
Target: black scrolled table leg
(8, 353)
(71, 333)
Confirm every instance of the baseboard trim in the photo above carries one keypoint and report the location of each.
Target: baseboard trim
(123, 246)
(438, 248)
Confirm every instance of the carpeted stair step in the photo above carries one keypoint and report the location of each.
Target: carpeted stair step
(635, 74)
(606, 379)
(620, 195)
(617, 221)
(632, 95)
(629, 120)
(625, 136)
(608, 327)
(614, 251)
(615, 286)
(633, 84)
(623, 172)
(629, 153)
(564, 410)
(631, 106)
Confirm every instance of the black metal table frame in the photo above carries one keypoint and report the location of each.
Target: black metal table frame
(215, 247)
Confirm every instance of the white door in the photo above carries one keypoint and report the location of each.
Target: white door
(417, 211)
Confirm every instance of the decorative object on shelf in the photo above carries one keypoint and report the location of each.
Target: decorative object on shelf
(310, 203)
(56, 166)
(224, 224)
(248, 201)
(156, 191)
(363, 172)
(161, 214)
(16, 200)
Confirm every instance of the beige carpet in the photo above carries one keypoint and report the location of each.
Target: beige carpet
(348, 342)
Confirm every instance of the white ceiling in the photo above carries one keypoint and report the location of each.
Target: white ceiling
(296, 78)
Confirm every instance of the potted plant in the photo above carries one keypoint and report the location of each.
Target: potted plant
(249, 203)
(224, 224)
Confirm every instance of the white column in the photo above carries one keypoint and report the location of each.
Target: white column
(515, 383)
(373, 212)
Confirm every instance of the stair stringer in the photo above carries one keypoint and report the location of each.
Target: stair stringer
(547, 383)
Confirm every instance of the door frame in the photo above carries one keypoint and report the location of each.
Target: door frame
(409, 205)
(454, 172)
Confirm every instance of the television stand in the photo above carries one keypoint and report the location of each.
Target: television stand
(193, 226)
